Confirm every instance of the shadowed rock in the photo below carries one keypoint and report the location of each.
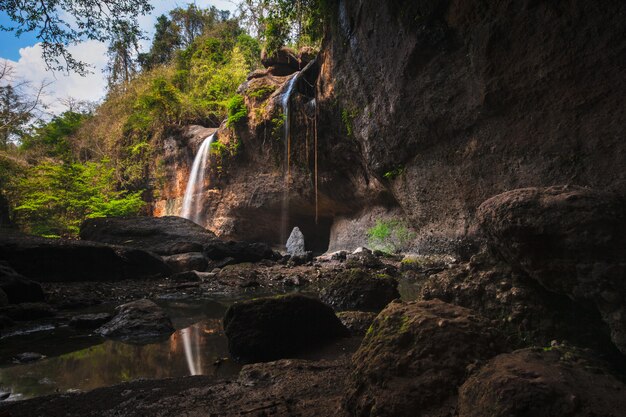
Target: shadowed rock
(138, 321)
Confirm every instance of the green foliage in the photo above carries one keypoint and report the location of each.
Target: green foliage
(60, 23)
(394, 173)
(389, 235)
(55, 198)
(277, 126)
(237, 110)
(261, 93)
(52, 139)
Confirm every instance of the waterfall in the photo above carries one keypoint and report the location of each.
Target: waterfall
(192, 202)
(285, 203)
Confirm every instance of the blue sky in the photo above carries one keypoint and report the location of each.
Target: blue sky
(24, 56)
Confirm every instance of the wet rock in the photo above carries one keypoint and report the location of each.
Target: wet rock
(572, 240)
(4, 395)
(270, 328)
(300, 259)
(357, 321)
(63, 260)
(415, 356)
(187, 276)
(17, 288)
(240, 275)
(191, 261)
(90, 321)
(169, 235)
(364, 259)
(357, 289)
(295, 243)
(549, 382)
(28, 357)
(28, 311)
(138, 321)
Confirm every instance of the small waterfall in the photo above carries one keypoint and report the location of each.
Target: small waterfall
(287, 170)
(192, 202)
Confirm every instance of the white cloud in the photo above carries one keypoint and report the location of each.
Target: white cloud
(31, 67)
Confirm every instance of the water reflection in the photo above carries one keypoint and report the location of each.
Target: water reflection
(190, 351)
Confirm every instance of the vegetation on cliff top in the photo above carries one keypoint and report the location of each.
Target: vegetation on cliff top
(102, 160)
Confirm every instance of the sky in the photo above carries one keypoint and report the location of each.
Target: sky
(24, 56)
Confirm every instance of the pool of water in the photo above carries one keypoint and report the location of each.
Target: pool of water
(82, 361)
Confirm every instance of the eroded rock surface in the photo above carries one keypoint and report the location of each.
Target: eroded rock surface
(414, 358)
(358, 289)
(572, 240)
(557, 381)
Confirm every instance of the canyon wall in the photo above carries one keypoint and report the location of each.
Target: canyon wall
(424, 109)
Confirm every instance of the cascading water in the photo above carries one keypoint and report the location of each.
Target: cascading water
(192, 201)
(287, 170)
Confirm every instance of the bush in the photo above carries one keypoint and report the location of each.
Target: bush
(389, 235)
(236, 110)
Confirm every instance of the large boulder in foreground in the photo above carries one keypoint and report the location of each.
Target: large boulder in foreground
(17, 288)
(551, 382)
(572, 240)
(138, 322)
(62, 260)
(358, 289)
(414, 358)
(168, 235)
(272, 328)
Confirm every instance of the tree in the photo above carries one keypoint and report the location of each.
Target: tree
(122, 51)
(193, 22)
(166, 41)
(93, 19)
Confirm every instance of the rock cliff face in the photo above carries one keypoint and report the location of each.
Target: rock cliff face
(459, 100)
(423, 110)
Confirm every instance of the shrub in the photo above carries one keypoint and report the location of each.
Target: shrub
(389, 235)
(237, 110)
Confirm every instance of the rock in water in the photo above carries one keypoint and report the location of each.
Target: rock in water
(543, 383)
(271, 328)
(295, 243)
(414, 357)
(139, 321)
(572, 240)
(17, 288)
(90, 321)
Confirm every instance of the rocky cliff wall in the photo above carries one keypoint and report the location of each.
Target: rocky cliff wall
(452, 102)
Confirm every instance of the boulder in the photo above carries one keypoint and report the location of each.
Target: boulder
(572, 240)
(63, 260)
(526, 312)
(90, 321)
(191, 261)
(357, 321)
(16, 288)
(28, 357)
(271, 328)
(27, 311)
(167, 235)
(139, 321)
(357, 289)
(556, 381)
(364, 259)
(295, 243)
(415, 356)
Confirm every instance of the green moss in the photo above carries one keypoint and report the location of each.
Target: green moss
(347, 117)
(277, 126)
(394, 173)
(237, 110)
